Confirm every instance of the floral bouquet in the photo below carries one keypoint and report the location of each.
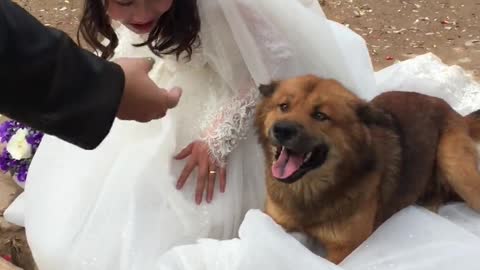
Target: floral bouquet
(21, 143)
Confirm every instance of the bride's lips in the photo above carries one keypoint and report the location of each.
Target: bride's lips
(142, 28)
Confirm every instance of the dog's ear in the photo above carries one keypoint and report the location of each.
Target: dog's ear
(267, 90)
(372, 116)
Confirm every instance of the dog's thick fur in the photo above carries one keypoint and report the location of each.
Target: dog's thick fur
(399, 149)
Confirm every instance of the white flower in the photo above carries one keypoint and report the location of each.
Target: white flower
(18, 147)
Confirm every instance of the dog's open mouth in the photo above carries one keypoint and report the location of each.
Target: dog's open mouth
(289, 166)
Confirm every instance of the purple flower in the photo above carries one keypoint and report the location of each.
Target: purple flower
(18, 168)
(22, 172)
(34, 138)
(7, 129)
(5, 161)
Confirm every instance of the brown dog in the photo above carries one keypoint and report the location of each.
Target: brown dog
(341, 166)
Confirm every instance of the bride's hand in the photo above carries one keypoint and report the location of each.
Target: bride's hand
(207, 171)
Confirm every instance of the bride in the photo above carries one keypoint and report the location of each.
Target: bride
(118, 207)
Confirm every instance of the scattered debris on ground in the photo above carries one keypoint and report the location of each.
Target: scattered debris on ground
(395, 30)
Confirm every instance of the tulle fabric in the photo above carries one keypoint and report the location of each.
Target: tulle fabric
(116, 207)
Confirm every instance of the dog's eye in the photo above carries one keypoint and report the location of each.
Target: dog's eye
(319, 116)
(283, 107)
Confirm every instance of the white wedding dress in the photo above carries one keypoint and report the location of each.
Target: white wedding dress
(116, 207)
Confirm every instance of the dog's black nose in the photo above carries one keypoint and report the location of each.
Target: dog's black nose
(286, 131)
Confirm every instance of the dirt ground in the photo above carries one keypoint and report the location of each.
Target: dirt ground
(395, 30)
(398, 30)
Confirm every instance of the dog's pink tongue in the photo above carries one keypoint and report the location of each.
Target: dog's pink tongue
(286, 165)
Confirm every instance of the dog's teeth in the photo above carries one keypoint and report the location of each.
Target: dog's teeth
(308, 156)
(275, 152)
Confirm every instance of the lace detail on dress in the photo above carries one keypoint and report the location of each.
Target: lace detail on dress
(230, 124)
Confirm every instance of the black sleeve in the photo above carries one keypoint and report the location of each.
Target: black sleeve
(50, 84)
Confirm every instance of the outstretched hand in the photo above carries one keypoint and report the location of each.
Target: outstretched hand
(142, 99)
(208, 169)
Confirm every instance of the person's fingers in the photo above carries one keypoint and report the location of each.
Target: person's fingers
(201, 181)
(159, 100)
(146, 64)
(154, 99)
(173, 97)
(185, 152)
(187, 170)
(212, 175)
(160, 114)
(141, 119)
(131, 63)
(223, 179)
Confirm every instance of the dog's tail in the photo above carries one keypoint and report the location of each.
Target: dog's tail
(473, 122)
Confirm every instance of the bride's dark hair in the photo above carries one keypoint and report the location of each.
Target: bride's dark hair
(176, 31)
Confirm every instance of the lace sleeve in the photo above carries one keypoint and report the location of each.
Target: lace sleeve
(225, 128)
(230, 125)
